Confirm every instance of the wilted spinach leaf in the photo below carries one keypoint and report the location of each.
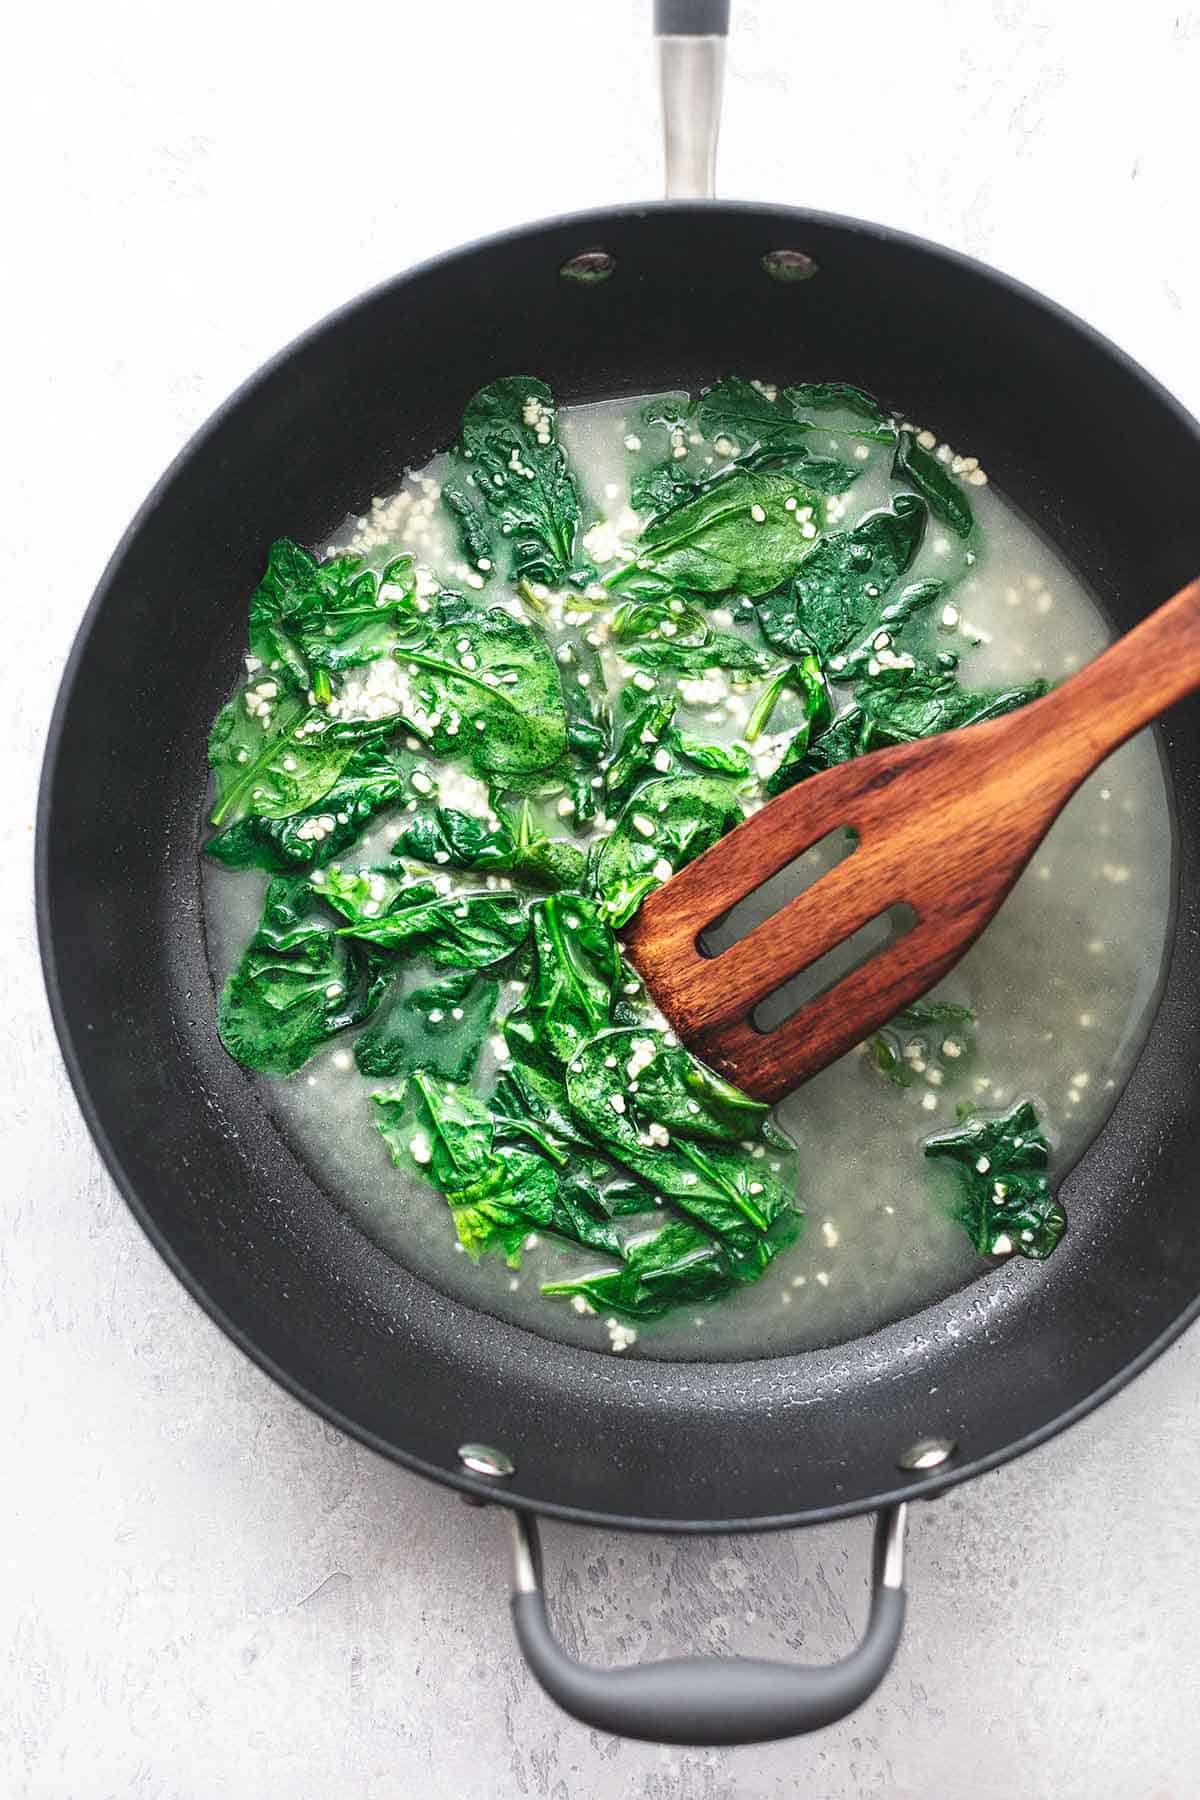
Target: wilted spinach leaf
(900, 705)
(374, 777)
(722, 650)
(296, 985)
(573, 988)
(492, 685)
(678, 1264)
(274, 754)
(944, 496)
(888, 631)
(459, 840)
(471, 526)
(642, 732)
(497, 1193)
(440, 1028)
(804, 679)
(732, 760)
(666, 824)
(464, 931)
(928, 1034)
(737, 533)
(1005, 1202)
(764, 428)
(739, 1198)
(839, 588)
(509, 447)
(897, 706)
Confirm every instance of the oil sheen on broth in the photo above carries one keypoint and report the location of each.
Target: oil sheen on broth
(1061, 982)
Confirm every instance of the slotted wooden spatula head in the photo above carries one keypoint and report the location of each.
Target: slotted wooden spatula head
(945, 825)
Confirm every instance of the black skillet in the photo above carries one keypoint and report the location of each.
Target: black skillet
(602, 304)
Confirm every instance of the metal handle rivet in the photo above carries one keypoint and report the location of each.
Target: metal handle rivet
(483, 1459)
(927, 1453)
(789, 265)
(589, 267)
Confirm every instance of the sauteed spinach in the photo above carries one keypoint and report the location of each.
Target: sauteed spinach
(527, 1076)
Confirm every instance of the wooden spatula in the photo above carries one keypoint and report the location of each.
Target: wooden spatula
(945, 824)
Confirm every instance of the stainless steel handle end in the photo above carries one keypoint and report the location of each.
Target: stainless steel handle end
(691, 67)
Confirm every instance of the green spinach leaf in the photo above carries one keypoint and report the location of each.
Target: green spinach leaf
(736, 1196)
(642, 734)
(932, 480)
(805, 680)
(732, 760)
(491, 684)
(471, 527)
(678, 1264)
(460, 840)
(439, 1029)
(375, 777)
(839, 589)
(573, 988)
(509, 449)
(762, 428)
(723, 650)
(739, 532)
(888, 631)
(929, 1035)
(296, 985)
(455, 931)
(273, 754)
(1005, 1202)
(666, 824)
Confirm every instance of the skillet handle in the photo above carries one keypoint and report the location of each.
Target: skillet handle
(712, 1700)
(691, 65)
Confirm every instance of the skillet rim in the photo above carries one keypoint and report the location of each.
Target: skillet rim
(591, 221)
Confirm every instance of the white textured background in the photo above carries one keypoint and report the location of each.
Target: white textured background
(204, 1592)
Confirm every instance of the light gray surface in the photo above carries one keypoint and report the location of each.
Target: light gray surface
(205, 1591)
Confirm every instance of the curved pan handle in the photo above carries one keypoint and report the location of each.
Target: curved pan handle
(712, 1700)
(691, 65)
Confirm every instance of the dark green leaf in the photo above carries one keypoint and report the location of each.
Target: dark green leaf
(738, 1197)
(715, 759)
(665, 825)
(440, 1028)
(458, 840)
(641, 736)
(723, 650)
(941, 492)
(841, 586)
(760, 427)
(677, 1265)
(510, 448)
(737, 533)
(840, 396)
(491, 684)
(471, 525)
(374, 778)
(582, 675)
(455, 931)
(928, 1035)
(804, 680)
(576, 974)
(900, 705)
(1005, 1202)
(682, 621)
(888, 630)
(273, 754)
(296, 985)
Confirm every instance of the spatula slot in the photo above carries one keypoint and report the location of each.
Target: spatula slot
(840, 960)
(764, 901)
